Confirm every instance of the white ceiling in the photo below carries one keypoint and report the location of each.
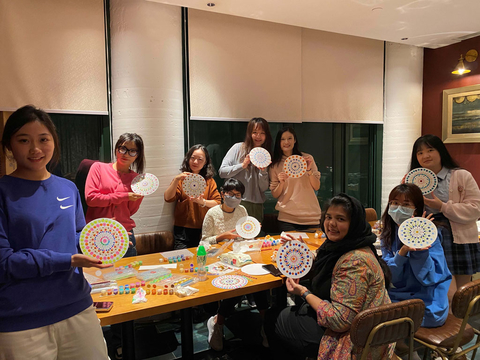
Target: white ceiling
(427, 23)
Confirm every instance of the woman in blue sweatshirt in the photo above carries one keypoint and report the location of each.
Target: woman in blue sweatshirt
(46, 309)
(416, 273)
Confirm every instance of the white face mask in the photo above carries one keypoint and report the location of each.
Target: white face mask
(400, 213)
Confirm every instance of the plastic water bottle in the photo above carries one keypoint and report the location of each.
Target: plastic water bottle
(201, 262)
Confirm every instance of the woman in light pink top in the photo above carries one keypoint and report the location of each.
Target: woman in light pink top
(297, 205)
(455, 204)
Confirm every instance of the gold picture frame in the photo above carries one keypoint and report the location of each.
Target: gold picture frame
(461, 115)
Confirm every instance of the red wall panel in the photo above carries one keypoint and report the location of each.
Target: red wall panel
(437, 76)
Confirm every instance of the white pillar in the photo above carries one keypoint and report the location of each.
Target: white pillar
(403, 112)
(147, 94)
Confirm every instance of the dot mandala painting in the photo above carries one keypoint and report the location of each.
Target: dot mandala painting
(424, 178)
(194, 185)
(260, 157)
(295, 166)
(229, 282)
(294, 259)
(248, 227)
(417, 232)
(145, 184)
(104, 239)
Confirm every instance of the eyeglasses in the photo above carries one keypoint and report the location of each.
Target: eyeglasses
(123, 150)
(238, 196)
(396, 203)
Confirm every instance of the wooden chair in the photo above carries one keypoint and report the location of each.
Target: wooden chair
(154, 242)
(387, 324)
(370, 214)
(456, 331)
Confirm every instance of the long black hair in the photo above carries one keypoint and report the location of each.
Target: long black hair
(277, 151)
(207, 171)
(434, 142)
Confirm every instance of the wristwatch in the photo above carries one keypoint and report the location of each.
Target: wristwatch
(305, 294)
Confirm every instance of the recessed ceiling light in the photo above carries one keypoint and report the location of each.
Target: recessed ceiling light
(404, 38)
(210, 4)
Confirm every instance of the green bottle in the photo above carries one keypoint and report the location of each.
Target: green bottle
(201, 262)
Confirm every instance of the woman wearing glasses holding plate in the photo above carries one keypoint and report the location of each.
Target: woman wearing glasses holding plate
(108, 190)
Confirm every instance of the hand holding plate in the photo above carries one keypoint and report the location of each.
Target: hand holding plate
(80, 260)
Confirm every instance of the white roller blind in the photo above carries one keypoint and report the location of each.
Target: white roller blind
(242, 68)
(53, 55)
(342, 78)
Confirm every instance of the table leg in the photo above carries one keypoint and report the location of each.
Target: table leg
(187, 334)
(128, 340)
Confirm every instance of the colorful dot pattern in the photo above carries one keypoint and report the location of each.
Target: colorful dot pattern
(229, 282)
(425, 179)
(145, 184)
(260, 157)
(295, 166)
(294, 259)
(104, 239)
(248, 227)
(194, 185)
(417, 232)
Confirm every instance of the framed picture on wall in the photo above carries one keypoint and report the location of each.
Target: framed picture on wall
(461, 115)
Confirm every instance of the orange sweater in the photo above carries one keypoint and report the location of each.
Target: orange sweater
(188, 213)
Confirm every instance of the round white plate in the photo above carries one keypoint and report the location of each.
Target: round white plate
(260, 157)
(145, 184)
(254, 269)
(248, 227)
(194, 185)
(295, 166)
(294, 259)
(417, 232)
(424, 178)
(104, 239)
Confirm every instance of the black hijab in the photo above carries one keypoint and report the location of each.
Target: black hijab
(359, 235)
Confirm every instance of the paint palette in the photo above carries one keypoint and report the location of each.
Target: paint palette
(417, 232)
(229, 282)
(295, 166)
(425, 179)
(194, 185)
(248, 227)
(104, 239)
(260, 157)
(145, 184)
(294, 259)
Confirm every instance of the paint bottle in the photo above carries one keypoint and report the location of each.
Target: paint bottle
(201, 262)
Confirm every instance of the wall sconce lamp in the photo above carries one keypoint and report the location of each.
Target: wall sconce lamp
(470, 56)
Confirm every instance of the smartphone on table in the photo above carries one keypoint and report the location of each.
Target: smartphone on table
(103, 306)
(272, 269)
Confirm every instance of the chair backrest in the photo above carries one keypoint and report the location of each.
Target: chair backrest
(155, 242)
(81, 179)
(387, 324)
(370, 214)
(463, 297)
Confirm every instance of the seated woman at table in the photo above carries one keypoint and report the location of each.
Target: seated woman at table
(189, 211)
(297, 204)
(219, 225)
(416, 273)
(219, 222)
(347, 277)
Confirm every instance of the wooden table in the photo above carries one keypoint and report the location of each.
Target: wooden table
(125, 312)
